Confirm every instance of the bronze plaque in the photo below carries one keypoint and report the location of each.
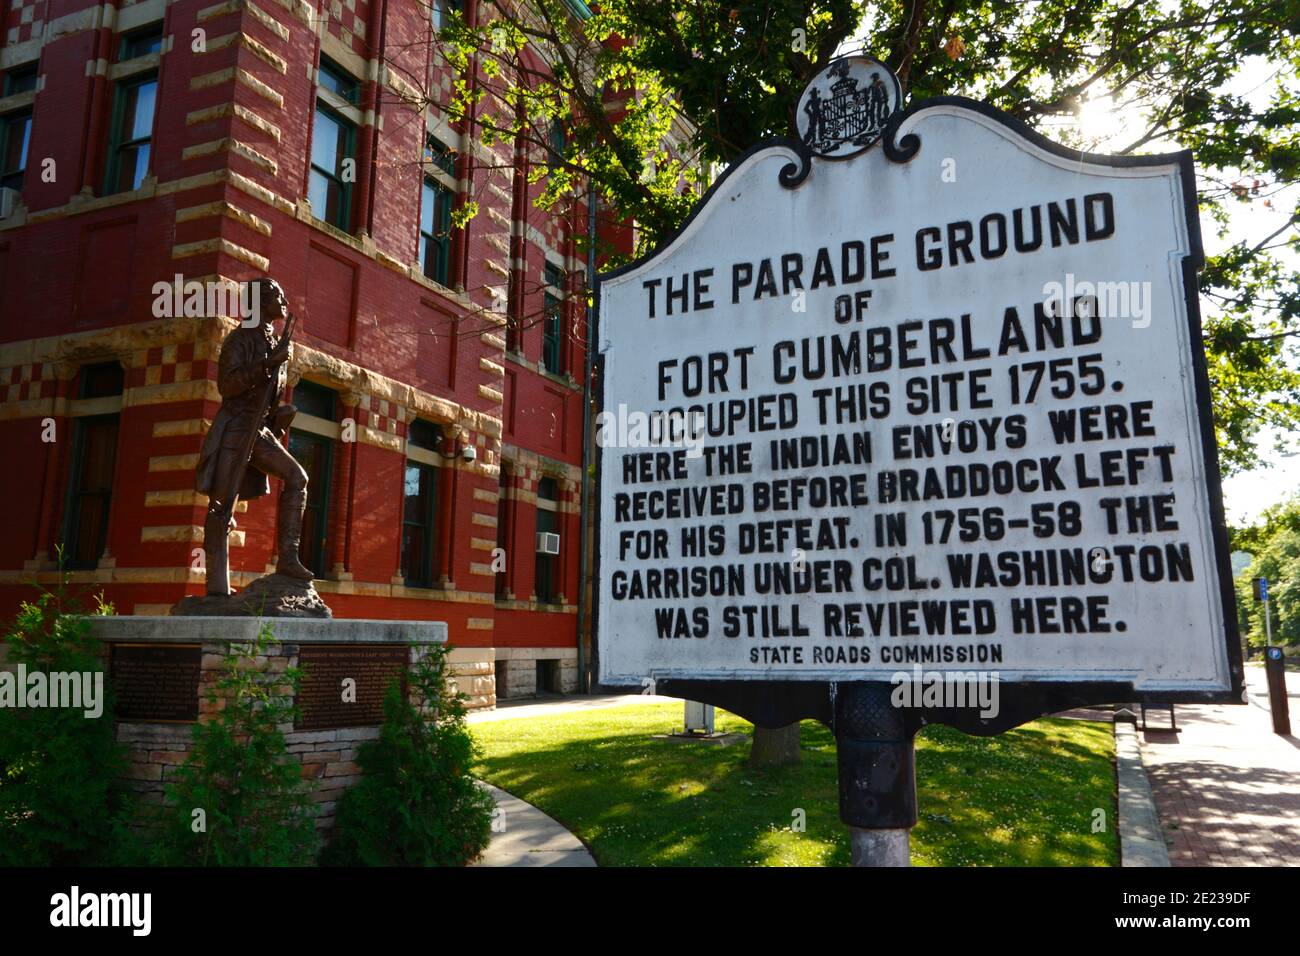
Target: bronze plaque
(156, 682)
(325, 702)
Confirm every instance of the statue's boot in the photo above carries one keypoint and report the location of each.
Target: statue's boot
(288, 531)
(216, 553)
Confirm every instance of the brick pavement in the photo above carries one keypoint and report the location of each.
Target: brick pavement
(1227, 788)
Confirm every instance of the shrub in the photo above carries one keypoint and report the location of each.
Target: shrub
(62, 800)
(255, 806)
(416, 804)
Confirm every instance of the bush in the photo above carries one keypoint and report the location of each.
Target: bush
(62, 800)
(255, 806)
(416, 804)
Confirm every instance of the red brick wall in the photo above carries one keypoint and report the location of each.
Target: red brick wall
(228, 173)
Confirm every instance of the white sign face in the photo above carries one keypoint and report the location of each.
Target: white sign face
(937, 411)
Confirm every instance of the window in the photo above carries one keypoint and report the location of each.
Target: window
(419, 503)
(94, 453)
(132, 127)
(141, 43)
(553, 322)
(420, 493)
(548, 676)
(545, 584)
(333, 163)
(312, 399)
(503, 528)
(555, 144)
(440, 9)
(15, 135)
(314, 453)
(101, 381)
(424, 435)
(435, 213)
(334, 78)
(21, 79)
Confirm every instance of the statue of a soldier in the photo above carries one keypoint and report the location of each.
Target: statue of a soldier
(243, 446)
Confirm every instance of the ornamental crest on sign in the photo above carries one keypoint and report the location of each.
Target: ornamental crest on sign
(844, 109)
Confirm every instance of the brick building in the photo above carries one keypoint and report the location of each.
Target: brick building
(219, 141)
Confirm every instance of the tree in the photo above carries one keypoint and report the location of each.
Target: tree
(416, 803)
(62, 802)
(239, 799)
(653, 93)
(1275, 542)
(775, 746)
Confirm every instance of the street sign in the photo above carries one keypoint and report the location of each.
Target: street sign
(936, 402)
(1260, 586)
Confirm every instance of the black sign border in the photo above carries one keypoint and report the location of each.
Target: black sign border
(781, 702)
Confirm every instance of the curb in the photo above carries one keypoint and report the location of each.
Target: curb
(1141, 841)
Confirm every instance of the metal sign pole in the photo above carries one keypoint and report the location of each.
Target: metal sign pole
(877, 774)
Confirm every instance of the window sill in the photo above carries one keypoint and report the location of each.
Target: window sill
(330, 229)
(87, 201)
(564, 378)
(559, 378)
(503, 604)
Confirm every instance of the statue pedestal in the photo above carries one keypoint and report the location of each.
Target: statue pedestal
(162, 668)
(272, 595)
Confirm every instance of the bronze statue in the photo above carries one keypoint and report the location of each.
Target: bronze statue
(240, 451)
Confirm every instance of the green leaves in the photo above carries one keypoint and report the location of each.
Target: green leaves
(416, 804)
(61, 799)
(653, 93)
(255, 805)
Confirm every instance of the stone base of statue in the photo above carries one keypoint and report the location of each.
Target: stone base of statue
(166, 676)
(272, 595)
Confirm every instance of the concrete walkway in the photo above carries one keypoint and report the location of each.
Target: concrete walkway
(522, 835)
(542, 707)
(1227, 788)
(530, 837)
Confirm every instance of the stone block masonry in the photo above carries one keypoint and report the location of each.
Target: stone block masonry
(327, 757)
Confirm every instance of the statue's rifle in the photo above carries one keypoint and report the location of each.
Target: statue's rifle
(264, 409)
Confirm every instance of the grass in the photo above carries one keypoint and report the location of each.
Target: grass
(1025, 798)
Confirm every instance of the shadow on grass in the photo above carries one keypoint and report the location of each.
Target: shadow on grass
(1024, 798)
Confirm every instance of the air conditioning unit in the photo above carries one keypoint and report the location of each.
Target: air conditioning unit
(9, 199)
(548, 542)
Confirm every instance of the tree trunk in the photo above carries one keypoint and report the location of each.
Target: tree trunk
(775, 748)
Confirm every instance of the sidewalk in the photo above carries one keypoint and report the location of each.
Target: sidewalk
(1227, 788)
(530, 837)
(525, 836)
(541, 707)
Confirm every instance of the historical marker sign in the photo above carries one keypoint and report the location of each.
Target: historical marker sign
(156, 682)
(327, 702)
(941, 402)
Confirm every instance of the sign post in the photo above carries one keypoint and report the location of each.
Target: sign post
(1275, 675)
(1261, 594)
(910, 424)
(1274, 666)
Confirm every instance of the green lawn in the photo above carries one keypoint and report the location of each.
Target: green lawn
(1025, 798)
